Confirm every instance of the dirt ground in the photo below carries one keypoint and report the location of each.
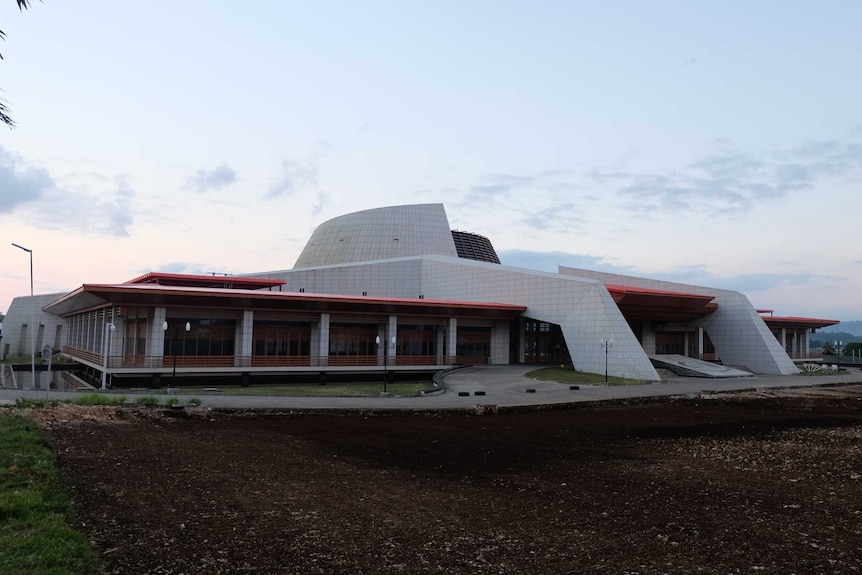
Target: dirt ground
(744, 483)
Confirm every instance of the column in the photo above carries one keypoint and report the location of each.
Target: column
(244, 337)
(700, 343)
(452, 339)
(320, 340)
(393, 335)
(441, 342)
(156, 338)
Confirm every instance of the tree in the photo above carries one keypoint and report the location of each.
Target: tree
(852, 349)
(4, 109)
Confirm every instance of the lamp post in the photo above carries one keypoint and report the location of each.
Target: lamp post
(385, 359)
(33, 328)
(606, 344)
(106, 347)
(173, 346)
(838, 354)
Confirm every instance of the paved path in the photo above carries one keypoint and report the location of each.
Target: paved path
(504, 386)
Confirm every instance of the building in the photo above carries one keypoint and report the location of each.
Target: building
(396, 287)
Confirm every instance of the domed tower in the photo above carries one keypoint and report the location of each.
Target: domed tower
(380, 234)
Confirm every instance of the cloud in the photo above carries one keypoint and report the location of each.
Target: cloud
(550, 261)
(104, 207)
(96, 204)
(320, 203)
(693, 275)
(294, 176)
(217, 178)
(729, 181)
(564, 216)
(21, 183)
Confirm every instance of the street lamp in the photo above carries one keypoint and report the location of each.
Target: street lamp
(838, 354)
(33, 328)
(385, 358)
(173, 346)
(606, 344)
(106, 347)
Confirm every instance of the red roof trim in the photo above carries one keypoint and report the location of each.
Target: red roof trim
(304, 296)
(620, 289)
(811, 320)
(192, 280)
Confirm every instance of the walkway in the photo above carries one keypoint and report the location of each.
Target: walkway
(504, 386)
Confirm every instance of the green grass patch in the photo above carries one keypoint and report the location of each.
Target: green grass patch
(26, 402)
(148, 401)
(35, 536)
(98, 399)
(194, 401)
(364, 389)
(19, 359)
(571, 376)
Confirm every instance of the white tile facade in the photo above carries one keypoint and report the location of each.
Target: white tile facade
(740, 336)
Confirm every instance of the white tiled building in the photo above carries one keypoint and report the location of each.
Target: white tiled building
(400, 274)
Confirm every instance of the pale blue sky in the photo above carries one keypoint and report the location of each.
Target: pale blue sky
(717, 143)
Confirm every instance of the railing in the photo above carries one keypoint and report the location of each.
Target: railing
(85, 355)
(127, 361)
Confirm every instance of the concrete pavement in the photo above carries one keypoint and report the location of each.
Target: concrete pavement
(504, 386)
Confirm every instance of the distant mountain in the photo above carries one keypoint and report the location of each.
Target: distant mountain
(852, 327)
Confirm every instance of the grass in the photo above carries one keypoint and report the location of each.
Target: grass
(98, 399)
(18, 359)
(35, 536)
(570, 376)
(25, 402)
(403, 389)
(148, 401)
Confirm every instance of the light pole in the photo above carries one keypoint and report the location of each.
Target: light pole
(385, 358)
(173, 346)
(838, 354)
(606, 344)
(106, 347)
(33, 328)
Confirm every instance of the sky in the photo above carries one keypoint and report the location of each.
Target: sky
(716, 143)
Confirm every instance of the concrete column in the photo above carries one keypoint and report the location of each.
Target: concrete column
(441, 342)
(452, 338)
(784, 339)
(648, 338)
(700, 343)
(522, 324)
(244, 338)
(499, 343)
(156, 338)
(320, 340)
(393, 333)
(685, 345)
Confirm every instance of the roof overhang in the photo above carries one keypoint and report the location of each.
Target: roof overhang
(213, 281)
(638, 303)
(798, 322)
(91, 296)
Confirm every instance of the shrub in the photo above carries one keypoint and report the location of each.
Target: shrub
(194, 401)
(148, 401)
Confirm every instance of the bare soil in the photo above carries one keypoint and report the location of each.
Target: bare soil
(744, 483)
